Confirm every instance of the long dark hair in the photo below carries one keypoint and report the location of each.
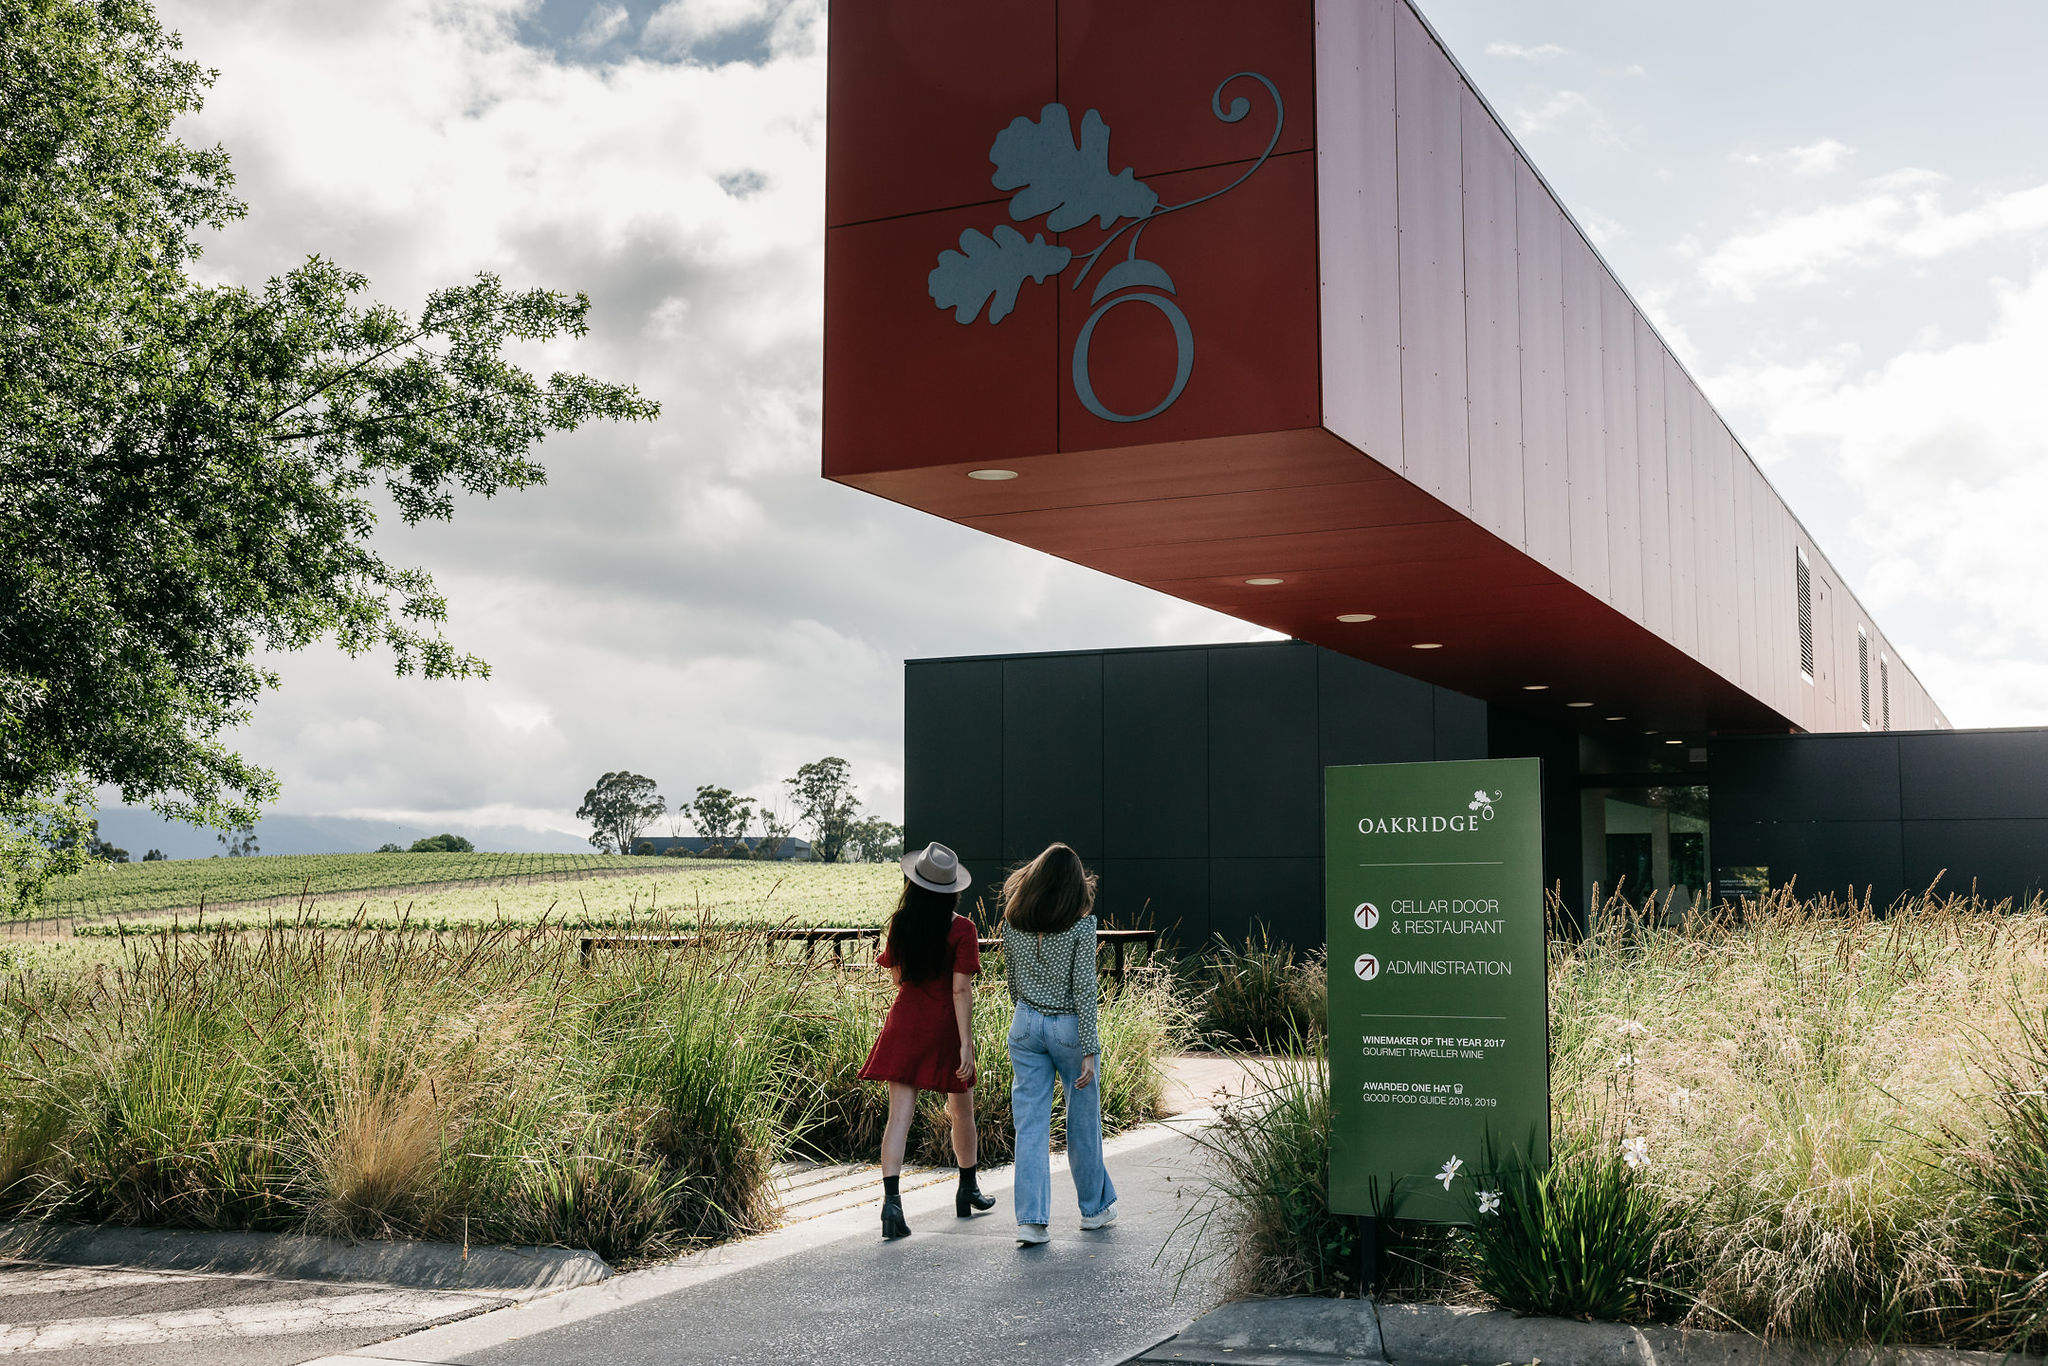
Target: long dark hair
(1050, 893)
(918, 930)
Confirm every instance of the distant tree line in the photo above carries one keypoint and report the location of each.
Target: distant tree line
(818, 800)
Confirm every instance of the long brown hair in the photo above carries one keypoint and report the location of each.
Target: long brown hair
(1050, 893)
(917, 931)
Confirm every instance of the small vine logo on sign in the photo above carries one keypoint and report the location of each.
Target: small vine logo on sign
(1068, 182)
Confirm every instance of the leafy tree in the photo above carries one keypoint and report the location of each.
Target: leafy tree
(239, 842)
(390, 848)
(875, 840)
(442, 844)
(190, 473)
(719, 816)
(619, 808)
(822, 792)
(775, 829)
(156, 856)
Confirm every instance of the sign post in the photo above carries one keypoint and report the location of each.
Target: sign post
(1439, 1024)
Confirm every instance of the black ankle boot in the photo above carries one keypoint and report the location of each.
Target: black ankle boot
(893, 1223)
(970, 1197)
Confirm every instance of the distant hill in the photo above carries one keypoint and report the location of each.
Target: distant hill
(139, 831)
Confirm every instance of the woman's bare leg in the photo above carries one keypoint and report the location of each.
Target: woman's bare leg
(896, 1134)
(966, 1143)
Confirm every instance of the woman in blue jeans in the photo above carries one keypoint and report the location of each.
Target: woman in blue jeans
(1049, 958)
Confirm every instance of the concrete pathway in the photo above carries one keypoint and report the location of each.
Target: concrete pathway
(825, 1289)
(107, 1316)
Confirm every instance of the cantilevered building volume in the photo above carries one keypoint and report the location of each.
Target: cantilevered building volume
(1261, 306)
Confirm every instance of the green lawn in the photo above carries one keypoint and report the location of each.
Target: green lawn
(361, 888)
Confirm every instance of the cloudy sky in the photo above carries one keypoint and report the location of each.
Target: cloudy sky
(1837, 210)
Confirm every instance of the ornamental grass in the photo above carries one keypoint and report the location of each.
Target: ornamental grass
(480, 1086)
(1808, 1118)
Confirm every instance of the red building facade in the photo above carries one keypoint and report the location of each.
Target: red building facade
(1262, 307)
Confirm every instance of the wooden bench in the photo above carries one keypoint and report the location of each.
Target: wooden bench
(839, 936)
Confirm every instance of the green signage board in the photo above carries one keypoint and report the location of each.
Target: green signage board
(1439, 1024)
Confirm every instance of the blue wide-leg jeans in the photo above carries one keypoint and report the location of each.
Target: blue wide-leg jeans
(1043, 1047)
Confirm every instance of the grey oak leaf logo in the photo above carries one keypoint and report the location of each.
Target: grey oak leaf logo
(1068, 181)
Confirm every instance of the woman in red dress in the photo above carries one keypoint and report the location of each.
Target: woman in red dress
(927, 1043)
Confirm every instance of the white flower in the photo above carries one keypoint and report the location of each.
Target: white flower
(1681, 1099)
(1630, 1029)
(1625, 1061)
(1634, 1151)
(1450, 1171)
(1489, 1202)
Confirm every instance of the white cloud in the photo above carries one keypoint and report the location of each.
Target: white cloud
(687, 598)
(1899, 217)
(1541, 52)
(1565, 109)
(1819, 158)
(1948, 444)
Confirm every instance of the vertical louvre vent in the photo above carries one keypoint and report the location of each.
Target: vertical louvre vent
(1863, 672)
(1804, 576)
(1884, 688)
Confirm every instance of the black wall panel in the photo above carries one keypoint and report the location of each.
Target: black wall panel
(1372, 716)
(1980, 775)
(1155, 730)
(1888, 811)
(953, 758)
(1460, 726)
(1171, 894)
(1265, 779)
(1512, 735)
(1283, 896)
(1052, 754)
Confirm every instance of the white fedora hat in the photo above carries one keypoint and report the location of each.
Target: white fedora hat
(936, 867)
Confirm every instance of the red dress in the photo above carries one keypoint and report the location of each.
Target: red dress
(920, 1041)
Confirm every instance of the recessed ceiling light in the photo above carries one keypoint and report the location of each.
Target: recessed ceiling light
(1578, 704)
(1356, 616)
(992, 475)
(1674, 742)
(1617, 718)
(1535, 687)
(1263, 583)
(1429, 645)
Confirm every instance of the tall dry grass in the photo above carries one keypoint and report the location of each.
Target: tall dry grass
(1845, 1114)
(480, 1085)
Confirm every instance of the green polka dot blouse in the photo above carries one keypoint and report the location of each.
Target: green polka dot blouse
(1055, 973)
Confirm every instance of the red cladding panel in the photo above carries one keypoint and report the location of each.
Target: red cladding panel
(1152, 68)
(1243, 267)
(907, 385)
(917, 89)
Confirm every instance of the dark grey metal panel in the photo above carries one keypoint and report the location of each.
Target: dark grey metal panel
(1282, 895)
(1513, 735)
(1155, 751)
(1460, 726)
(1546, 498)
(953, 757)
(1435, 446)
(2001, 774)
(1994, 858)
(1805, 778)
(1817, 857)
(1171, 895)
(1265, 793)
(1368, 715)
(1052, 754)
(1493, 338)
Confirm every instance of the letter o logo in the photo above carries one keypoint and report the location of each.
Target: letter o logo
(1367, 967)
(1367, 915)
(1184, 353)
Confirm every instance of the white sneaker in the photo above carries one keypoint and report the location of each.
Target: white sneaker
(1102, 1220)
(1030, 1235)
